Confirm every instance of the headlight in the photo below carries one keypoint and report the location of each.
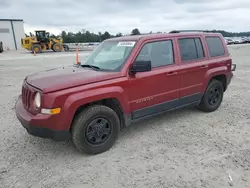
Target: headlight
(37, 100)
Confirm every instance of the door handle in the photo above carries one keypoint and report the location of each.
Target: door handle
(204, 66)
(172, 73)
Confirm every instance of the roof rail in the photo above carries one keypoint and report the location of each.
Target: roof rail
(183, 31)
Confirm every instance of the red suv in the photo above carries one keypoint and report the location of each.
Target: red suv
(123, 80)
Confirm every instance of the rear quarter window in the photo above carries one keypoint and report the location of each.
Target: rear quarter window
(215, 46)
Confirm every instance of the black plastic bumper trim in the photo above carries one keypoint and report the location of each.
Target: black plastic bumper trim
(44, 132)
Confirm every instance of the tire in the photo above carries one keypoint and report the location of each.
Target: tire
(66, 48)
(1, 47)
(91, 120)
(212, 97)
(36, 48)
(57, 47)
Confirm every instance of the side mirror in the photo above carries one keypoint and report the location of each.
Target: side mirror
(140, 66)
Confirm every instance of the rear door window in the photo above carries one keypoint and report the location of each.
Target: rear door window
(190, 49)
(215, 46)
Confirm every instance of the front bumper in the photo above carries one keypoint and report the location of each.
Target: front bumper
(31, 124)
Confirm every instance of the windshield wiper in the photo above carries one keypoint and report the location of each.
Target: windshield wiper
(91, 66)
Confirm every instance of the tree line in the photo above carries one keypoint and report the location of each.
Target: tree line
(87, 36)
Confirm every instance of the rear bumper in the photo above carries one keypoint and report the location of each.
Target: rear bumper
(229, 77)
(31, 124)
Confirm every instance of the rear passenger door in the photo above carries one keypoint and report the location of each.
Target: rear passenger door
(193, 66)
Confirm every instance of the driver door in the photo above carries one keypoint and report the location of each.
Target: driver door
(154, 91)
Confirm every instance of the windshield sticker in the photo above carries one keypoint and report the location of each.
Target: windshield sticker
(127, 44)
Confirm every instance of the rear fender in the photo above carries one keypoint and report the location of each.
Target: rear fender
(73, 102)
(212, 73)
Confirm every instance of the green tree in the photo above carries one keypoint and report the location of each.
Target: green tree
(118, 35)
(135, 32)
(63, 34)
(100, 36)
(106, 35)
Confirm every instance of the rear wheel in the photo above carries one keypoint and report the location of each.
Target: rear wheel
(95, 129)
(213, 96)
(57, 47)
(36, 48)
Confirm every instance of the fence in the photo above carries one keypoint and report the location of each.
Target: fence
(83, 46)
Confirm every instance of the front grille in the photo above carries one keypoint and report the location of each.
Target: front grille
(27, 96)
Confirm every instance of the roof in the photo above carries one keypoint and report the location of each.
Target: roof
(160, 35)
(20, 20)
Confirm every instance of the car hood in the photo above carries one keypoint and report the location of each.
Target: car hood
(67, 77)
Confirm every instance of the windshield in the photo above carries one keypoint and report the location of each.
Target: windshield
(110, 55)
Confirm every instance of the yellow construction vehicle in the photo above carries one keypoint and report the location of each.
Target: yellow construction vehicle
(42, 42)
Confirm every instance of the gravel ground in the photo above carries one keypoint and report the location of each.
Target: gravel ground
(184, 148)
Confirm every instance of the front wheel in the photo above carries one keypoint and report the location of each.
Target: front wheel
(36, 48)
(95, 129)
(212, 97)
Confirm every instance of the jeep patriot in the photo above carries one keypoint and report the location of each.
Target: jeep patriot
(123, 80)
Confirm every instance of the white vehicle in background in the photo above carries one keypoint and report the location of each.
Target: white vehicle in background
(238, 41)
(229, 40)
(246, 39)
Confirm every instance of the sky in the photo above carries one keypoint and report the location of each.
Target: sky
(124, 15)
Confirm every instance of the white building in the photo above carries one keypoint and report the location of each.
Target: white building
(11, 32)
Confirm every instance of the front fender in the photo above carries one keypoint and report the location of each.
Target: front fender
(74, 101)
(212, 73)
